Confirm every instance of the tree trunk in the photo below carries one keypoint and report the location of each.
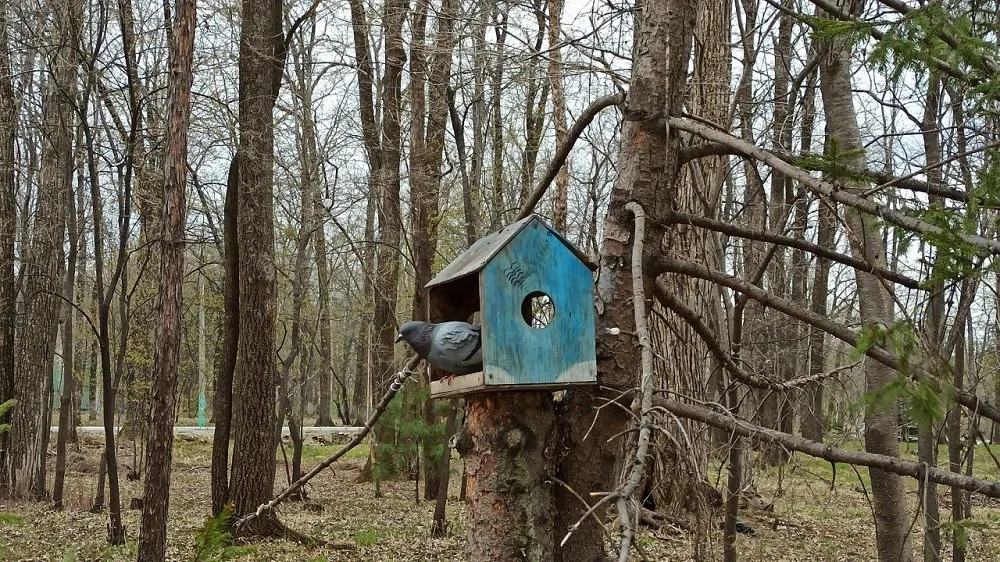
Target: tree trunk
(558, 109)
(148, 197)
(534, 105)
(647, 175)
(325, 339)
(8, 227)
(228, 351)
(958, 495)
(389, 223)
(509, 445)
(881, 427)
(428, 140)
(775, 410)
(496, 116)
(40, 264)
(812, 418)
(439, 527)
(252, 480)
(373, 151)
(679, 474)
(927, 443)
(159, 449)
(69, 385)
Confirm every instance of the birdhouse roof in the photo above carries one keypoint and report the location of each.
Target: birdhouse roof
(483, 250)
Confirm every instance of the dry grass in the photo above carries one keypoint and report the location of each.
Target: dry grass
(814, 516)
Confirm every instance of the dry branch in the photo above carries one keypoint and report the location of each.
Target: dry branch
(732, 229)
(887, 463)
(664, 264)
(562, 152)
(646, 384)
(882, 178)
(394, 388)
(825, 188)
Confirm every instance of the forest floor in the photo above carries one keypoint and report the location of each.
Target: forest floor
(799, 513)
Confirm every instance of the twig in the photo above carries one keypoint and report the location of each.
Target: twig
(621, 494)
(394, 388)
(562, 152)
(646, 383)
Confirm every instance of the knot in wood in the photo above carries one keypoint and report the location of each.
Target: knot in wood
(515, 440)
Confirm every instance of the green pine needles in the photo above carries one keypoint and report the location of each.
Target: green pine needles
(213, 541)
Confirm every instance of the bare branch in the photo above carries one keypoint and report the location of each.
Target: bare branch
(734, 230)
(826, 188)
(562, 152)
(887, 463)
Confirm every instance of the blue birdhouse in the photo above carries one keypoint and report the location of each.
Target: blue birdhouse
(535, 295)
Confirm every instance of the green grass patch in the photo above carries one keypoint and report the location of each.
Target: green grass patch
(368, 537)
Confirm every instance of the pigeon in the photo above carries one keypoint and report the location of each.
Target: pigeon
(453, 347)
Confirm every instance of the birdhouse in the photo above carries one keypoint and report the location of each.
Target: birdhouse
(535, 295)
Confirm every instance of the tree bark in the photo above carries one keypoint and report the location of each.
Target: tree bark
(69, 385)
(534, 103)
(935, 327)
(812, 419)
(881, 427)
(500, 14)
(8, 227)
(647, 175)
(252, 479)
(159, 449)
(35, 348)
(228, 350)
(439, 528)
(427, 139)
(509, 445)
(387, 255)
(373, 151)
(558, 110)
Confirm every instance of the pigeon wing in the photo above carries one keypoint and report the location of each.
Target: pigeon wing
(457, 348)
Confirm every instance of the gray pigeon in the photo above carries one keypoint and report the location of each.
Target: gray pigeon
(453, 347)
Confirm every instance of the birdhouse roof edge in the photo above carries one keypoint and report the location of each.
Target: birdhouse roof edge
(479, 254)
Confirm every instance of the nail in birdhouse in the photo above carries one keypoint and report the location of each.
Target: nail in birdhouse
(535, 295)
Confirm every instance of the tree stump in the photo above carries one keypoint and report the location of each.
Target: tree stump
(508, 443)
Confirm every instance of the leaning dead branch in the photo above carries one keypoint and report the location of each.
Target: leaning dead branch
(394, 388)
(646, 385)
(824, 451)
(621, 495)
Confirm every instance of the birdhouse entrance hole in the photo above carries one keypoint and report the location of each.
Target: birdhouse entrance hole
(537, 310)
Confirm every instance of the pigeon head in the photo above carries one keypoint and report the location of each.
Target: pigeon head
(417, 334)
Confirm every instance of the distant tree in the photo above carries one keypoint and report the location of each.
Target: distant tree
(8, 205)
(41, 260)
(163, 401)
(875, 302)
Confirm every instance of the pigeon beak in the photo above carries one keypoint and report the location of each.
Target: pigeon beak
(399, 338)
